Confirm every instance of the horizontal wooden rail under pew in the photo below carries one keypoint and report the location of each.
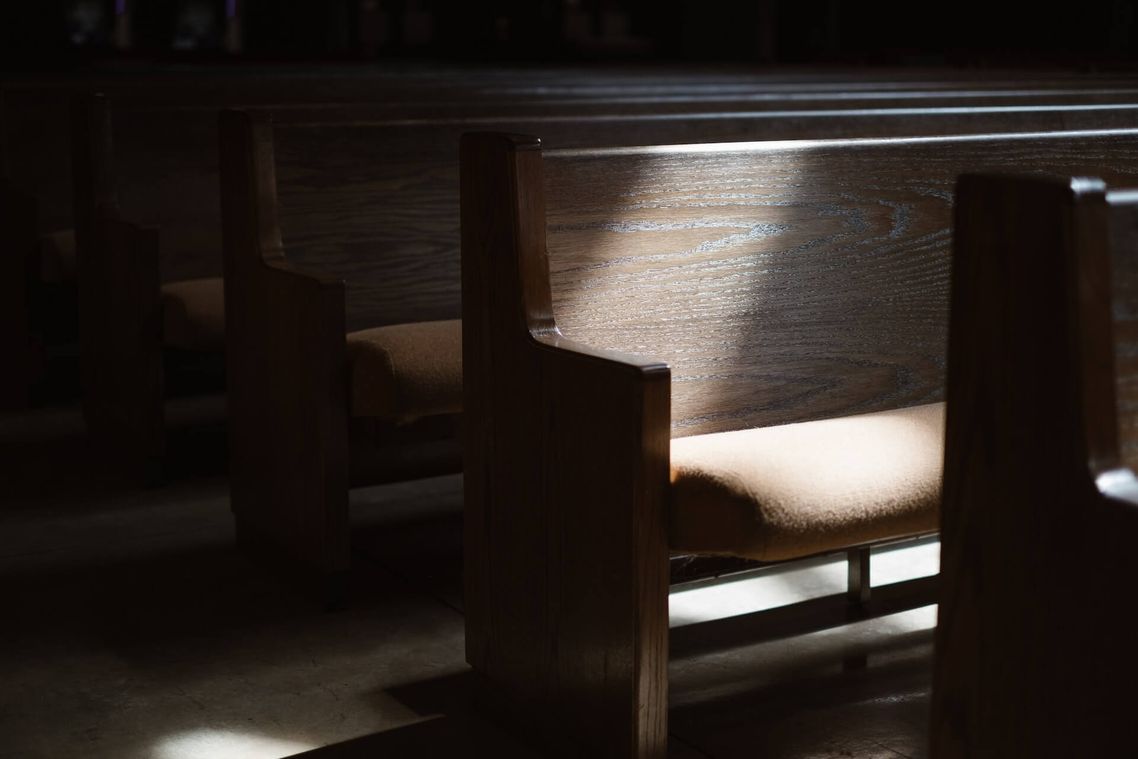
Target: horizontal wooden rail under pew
(707, 299)
(1035, 652)
(375, 206)
(170, 140)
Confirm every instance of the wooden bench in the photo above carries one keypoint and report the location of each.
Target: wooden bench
(169, 141)
(375, 205)
(704, 296)
(138, 331)
(1034, 650)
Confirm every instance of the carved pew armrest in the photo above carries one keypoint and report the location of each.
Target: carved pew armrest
(602, 361)
(288, 271)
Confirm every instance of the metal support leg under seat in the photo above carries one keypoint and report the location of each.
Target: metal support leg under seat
(857, 584)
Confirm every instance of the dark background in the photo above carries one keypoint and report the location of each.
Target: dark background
(66, 34)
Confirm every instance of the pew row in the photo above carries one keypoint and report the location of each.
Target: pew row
(315, 407)
(375, 205)
(139, 335)
(1034, 649)
(166, 148)
(747, 359)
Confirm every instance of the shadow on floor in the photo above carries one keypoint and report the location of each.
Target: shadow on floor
(46, 456)
(203, 594)
(438, 737)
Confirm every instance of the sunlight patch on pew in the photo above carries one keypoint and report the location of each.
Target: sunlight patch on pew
(800, 581)
(213, 743)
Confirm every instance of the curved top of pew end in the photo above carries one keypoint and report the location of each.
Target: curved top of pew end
(500, 140)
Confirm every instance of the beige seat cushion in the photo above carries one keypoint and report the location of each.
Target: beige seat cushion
(404, 372)
(193, 314)
(790, 491)
(57, 256)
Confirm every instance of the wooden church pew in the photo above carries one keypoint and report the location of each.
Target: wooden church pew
(1035, 650)
(374, 205)
(169, 135)
(137, 329)
(704, 296)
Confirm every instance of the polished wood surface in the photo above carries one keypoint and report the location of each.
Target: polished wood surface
(778, 281)
(353, 190)
(603, 687)
(286, 374)
(294, 451)
(1124, 281)
(166, 158)
(1034, 647)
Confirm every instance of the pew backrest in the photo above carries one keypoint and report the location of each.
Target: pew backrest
(167, 156)
(376, 204)
(780, 281)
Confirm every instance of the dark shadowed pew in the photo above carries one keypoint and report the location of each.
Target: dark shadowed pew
(1035, 651)
(139, 332)
(374, 205)
(640, 325)
(166, 154)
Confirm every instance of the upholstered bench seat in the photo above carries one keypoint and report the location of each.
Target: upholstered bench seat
(193, 314)
(404, 372)
(57, 256)
(789, 491)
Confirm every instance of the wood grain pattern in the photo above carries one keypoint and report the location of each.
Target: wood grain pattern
(376, 204)
(573, 642)
(1124, 268)
(293, 450)
(286, 375)
(167, 161)
(780, 282)
(1034, 649)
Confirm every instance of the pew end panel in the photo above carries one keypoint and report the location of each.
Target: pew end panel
(120, 310)
(286, 375)
(1039, 518)
(120, 328)
(540, 494)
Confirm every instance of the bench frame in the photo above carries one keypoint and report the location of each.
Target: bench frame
(1035, 656)
(120, 309)
(294, 448)
(570, 644)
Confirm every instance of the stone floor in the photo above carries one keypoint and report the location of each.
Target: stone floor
(132, 628)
